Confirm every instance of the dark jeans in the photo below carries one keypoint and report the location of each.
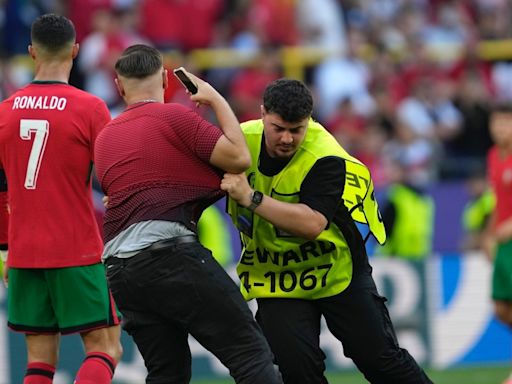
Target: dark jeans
(167, 294)
(357, 317)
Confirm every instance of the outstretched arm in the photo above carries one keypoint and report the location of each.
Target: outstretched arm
(230, 153)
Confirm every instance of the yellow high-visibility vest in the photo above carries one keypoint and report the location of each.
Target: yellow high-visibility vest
(276, 264)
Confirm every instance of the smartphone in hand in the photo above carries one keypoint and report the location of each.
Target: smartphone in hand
(187, 82)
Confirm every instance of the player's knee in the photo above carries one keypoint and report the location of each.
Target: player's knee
(106, 340)
(116, 351)
(113, 347)
(504, 314)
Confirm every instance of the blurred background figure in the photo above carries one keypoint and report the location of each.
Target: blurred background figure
(408, 215)
(344, 76)
(113, 30)
(346, 125)
(248, 84)
(477, 211)
(321, 25)
(418, 153)
(213, 230)
(498, 242)
(180, 24)
(474, 92)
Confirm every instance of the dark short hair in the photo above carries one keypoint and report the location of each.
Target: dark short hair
(139, 61)
(53, 32)
(502, 107)
(288, 98)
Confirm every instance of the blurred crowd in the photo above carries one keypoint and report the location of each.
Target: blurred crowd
(400, 80)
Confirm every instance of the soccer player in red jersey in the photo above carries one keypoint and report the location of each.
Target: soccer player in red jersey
(499, 238)
(56, 280)
(160, 166)
(4, 217)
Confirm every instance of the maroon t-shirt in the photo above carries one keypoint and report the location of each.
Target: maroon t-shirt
(153, 163)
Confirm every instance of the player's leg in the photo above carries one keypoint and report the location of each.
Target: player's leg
(84, 304)
(42, 351)
(502, 283)
(292, 328)
(222, 322)
(30, 311)
(102, 353)
(503, 311)
(502, 286)
(358, 317)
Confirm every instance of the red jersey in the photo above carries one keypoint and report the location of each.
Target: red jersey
(500, 173)
(153, 163)
(47, 132)
(4, 210)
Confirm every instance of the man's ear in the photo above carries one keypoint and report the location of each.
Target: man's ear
(165, 79)
(74, 50)
(31, 51)
(262, 109)
(119, 86)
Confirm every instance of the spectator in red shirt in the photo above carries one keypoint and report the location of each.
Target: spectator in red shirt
(181, 24)
(100, 49)
(346, 125)
(277, 19)
(82, 13)
(470, 64)
(249, 83)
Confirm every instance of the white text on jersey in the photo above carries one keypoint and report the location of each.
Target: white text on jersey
(39, 102)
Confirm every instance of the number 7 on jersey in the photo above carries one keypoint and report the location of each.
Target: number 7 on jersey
(40, 129)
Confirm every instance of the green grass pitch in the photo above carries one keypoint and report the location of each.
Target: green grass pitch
(471, 375)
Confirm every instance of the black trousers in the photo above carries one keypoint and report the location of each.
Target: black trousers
(167, 294)
(358, 317)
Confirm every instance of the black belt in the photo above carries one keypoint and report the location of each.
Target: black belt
(173, 241)
(157, 245)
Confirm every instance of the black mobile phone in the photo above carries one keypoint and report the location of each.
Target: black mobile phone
(185, 80)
